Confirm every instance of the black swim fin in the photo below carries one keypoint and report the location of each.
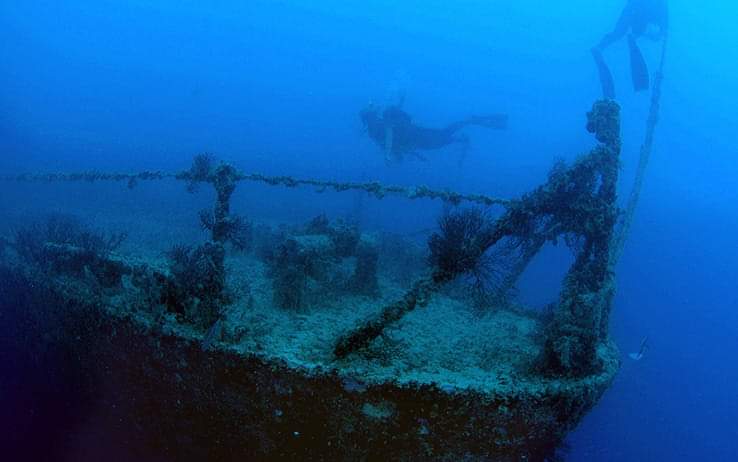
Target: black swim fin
(606, 80)
(638, 66)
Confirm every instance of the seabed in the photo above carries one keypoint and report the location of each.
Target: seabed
(317, 341)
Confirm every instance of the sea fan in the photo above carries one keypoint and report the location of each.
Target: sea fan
(459, 245)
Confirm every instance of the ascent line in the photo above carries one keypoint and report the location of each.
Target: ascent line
(645, 155)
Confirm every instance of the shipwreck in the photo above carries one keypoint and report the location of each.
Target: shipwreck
(318, 341)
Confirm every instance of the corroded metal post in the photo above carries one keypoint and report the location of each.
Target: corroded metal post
(223, 180)
(578, 200)
(580, 322)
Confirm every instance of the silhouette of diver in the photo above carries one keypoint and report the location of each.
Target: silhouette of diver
(394, 131)
(634, 22)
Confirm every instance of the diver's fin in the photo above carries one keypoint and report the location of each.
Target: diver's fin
(493, 121)
(608, 84)
(638, 67)
(635, 356)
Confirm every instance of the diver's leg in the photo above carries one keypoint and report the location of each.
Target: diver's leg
(621, 28)
(609, 39)
(493, 121)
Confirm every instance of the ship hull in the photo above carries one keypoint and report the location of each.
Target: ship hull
(143, 389)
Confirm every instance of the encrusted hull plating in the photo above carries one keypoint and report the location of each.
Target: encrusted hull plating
(157, 394)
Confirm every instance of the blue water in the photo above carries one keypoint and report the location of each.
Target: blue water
(275, 86)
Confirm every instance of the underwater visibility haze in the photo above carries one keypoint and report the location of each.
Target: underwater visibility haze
(342, 230)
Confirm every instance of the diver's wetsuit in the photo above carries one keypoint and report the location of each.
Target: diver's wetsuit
(635, 18)
(397, 135)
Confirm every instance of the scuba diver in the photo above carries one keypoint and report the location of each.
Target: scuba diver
(394, 131)
(635, 21)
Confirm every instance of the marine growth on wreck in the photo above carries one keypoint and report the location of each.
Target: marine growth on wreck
(321, 341)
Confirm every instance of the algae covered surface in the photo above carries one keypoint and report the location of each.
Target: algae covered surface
(446, 342)
(447, 382)
(368, 343)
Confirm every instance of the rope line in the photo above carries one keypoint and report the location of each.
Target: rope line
(376, 189)
(645, 155)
